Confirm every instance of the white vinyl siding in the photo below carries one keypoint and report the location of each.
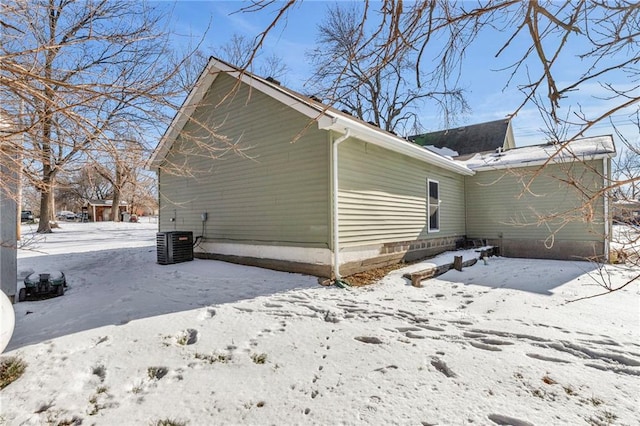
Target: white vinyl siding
(383, 197)
(529, 203)
(273, 189)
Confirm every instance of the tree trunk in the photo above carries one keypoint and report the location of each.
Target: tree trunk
(46, 188)
(115, 205)
(52, 208)
(46, 193)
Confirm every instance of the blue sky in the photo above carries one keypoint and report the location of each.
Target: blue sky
(485, 86)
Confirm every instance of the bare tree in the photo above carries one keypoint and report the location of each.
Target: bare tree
(627, 167)
(142, 195)
(603, 35)
(82, 185)
(118, 162)
(238, 52)
(72, 70)
(348, 74)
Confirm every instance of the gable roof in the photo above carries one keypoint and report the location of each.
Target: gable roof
(584, 149)
(471, 139)
(327, 118)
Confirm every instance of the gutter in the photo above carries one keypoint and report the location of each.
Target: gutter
(605, 172)
(541, 162)
(336, 221)
(393, 143)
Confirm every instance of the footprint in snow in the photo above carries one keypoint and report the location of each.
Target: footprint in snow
(547, 358)
(500, 419)
(187, 337)
(157, 373)
(368, 339)
(412, 335)
(484, 346)
(207, 313)
(613, 369)
(442, 367)
(430, 327)
(495, 342)
(386, 369)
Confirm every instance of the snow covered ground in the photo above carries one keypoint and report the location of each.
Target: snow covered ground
(206, 342)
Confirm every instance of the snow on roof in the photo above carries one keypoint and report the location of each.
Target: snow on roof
(633, 204)
(444, 151)
(592, 148)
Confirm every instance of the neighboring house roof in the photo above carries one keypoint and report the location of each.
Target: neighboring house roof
(107, 203)
(471, 139)
(327, 118)
(585, 149)
(627, 204)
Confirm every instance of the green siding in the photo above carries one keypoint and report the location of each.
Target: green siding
(498, 205)
(268, 190)
(382, 196)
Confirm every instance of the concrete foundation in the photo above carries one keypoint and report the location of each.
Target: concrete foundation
(408, 251)
(376, 257)
(561, 250)
(277, 265)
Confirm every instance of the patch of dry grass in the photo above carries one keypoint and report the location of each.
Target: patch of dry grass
(10, 370)
(372, 275)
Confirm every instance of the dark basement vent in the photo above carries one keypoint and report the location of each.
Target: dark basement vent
(174, 247)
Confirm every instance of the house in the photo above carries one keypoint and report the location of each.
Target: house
(102, 210)
(469, 140)
(626, 211)
(265, 176)
(543, 201)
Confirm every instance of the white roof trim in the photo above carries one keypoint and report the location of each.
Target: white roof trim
(538, 163)
(586, 149)
(396, 144)
(196, 94)
(328, 119)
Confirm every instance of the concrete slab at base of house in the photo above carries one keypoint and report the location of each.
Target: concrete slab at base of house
(318, 262)
(386, 254)
(560, 250)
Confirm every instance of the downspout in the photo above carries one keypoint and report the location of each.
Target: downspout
(336, 222)
(607, 181)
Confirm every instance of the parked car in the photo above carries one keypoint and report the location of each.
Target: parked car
(26, 216)
(66, 215)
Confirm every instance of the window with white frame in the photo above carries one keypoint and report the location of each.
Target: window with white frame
(433, 205)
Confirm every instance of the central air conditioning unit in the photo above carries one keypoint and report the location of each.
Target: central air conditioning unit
(174, 247)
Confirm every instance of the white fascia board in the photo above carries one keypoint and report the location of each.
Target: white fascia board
(538, 163)
(396, 144)
(182, 116)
